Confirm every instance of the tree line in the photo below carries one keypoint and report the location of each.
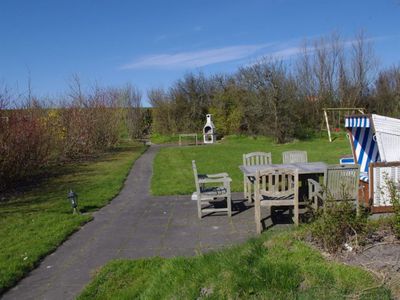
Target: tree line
(281, 98)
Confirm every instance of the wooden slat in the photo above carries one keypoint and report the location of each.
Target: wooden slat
(381, 209)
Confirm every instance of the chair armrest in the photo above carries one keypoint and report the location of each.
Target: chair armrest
(215, 180)
(217, 175)
(314, 183)
(314, 188)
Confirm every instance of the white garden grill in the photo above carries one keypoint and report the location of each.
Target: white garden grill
(209, 134)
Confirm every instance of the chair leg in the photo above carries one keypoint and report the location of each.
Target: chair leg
(229, 205)
(315, 203)
(251, 190)
(245, 187)
(296, 214)
(199, 214)
(257, 211)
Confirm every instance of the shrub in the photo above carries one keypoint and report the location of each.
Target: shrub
(337, 225)
(91, 123)
(32, 136)
(25, 144)
(394, 194)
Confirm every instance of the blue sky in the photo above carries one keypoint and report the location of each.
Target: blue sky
(153, 43)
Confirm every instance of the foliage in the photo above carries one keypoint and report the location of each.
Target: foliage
(275, 265)
(183, 108)
(227, 110)
(138, 119)
(338, 224)
(172, 166)
(90, 122)
(393, 189)
(24, 217)
(25, 143)
(386, 97)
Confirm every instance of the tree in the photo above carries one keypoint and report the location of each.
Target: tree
(135, 115)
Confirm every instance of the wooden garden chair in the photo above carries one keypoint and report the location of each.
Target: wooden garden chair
(276, 187)
(209, 195)
(250, 159)
(340, 184)
(290, 157)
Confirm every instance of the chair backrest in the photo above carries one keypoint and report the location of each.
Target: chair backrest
(196, 176)
(341, 182)
(276, 183)
(257, 158)
(289, 157)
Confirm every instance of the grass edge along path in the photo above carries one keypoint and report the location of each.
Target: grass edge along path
(172, 169)
(34, 223)
(276, 265)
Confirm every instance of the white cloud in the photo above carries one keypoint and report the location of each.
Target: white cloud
(195, 58)
(285, 53)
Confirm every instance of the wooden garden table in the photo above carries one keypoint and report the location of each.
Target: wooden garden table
(309, 168)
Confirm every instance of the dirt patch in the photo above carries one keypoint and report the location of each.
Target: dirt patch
(380, 256)
(382, 259)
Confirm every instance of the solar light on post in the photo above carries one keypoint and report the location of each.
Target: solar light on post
(73, 198)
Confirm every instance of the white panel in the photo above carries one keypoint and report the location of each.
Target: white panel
(381, 177)
(391, 147)
(386, 124)
(387, 132)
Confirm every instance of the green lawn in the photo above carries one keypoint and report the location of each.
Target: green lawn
(164, 139)
(275, 266)
(173, 173)
(34, 223)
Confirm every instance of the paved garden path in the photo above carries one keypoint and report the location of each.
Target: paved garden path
(134, 225)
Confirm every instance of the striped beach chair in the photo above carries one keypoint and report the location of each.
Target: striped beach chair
(375, 142)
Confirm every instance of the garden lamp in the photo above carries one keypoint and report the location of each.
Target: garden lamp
(73, 198)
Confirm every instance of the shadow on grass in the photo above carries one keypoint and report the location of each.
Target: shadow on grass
(89, 208)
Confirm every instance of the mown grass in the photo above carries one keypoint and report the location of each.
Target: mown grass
(157, 138)
(35, 222)
(173, 173)
(276, 265)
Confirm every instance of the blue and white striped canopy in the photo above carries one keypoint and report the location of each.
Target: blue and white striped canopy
(362, 122)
